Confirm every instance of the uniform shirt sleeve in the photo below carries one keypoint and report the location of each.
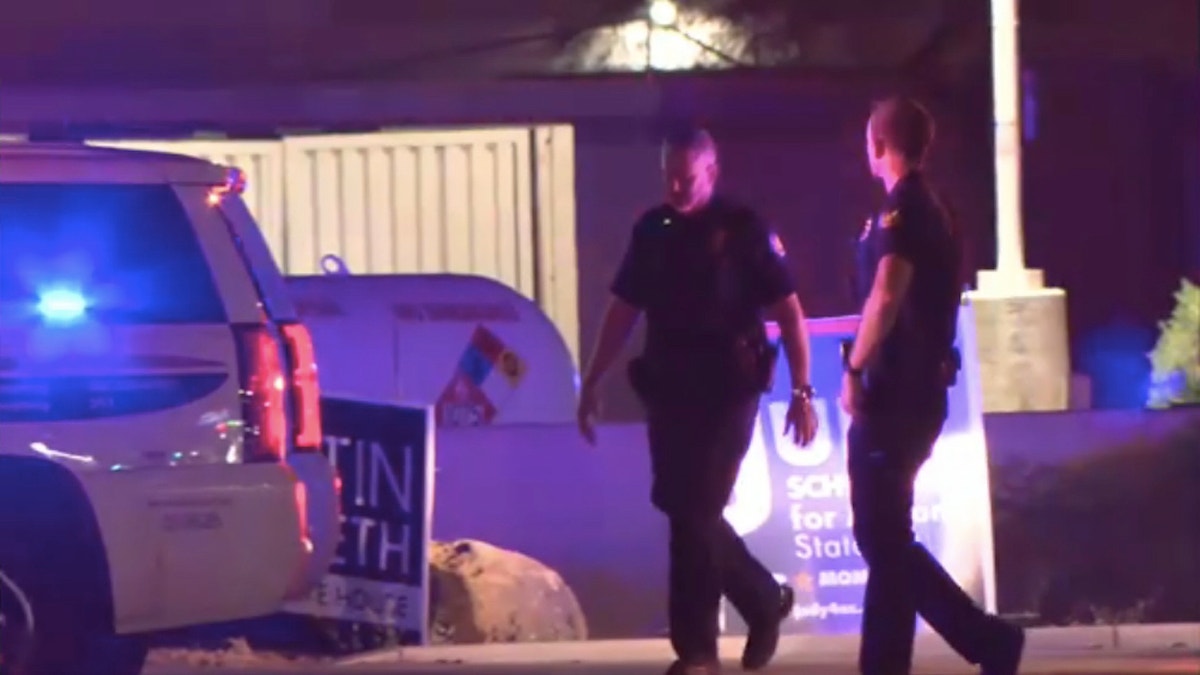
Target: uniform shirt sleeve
(770, 278)
(632, 282)
(899, 231)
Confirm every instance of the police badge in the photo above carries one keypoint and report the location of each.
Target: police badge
(889, 219)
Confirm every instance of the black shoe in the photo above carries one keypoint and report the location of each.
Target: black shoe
(763, 638)
(1004, 657)
(681, 668)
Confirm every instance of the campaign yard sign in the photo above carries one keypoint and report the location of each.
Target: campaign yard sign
(383, 454)
(792, 504)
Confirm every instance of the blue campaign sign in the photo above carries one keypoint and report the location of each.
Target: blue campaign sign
(384, 456)
(792, 504)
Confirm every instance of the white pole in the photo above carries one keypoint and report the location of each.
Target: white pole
(1021, 326)
(1010, 273)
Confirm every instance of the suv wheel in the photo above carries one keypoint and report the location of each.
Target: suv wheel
(38, 637)
(16, 626)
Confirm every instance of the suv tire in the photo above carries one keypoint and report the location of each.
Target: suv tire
(42, 633)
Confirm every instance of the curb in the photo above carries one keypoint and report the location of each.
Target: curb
(1142, 640)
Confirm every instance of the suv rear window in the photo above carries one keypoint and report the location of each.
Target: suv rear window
(127, 251)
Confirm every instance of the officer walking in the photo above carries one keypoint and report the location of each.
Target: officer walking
(894, 387)
(704, 269)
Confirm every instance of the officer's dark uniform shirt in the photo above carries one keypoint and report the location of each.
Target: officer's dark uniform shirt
(702, 278)
(914, 226)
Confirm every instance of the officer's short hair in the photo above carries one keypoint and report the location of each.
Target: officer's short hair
(904, 126)
(689, 138)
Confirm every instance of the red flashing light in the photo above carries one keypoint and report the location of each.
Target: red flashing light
(235, 183)
(263, 388)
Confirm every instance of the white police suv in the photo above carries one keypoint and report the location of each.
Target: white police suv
(159, 411)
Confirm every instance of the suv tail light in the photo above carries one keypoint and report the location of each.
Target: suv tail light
(263, 389)
(306, 388)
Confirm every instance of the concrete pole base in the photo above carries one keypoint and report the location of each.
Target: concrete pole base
(1021, 333)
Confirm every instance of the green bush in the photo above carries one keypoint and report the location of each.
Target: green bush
(1175, 378)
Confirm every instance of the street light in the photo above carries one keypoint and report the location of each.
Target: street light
(663, 13)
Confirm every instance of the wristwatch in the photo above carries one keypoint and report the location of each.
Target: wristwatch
(804, 392)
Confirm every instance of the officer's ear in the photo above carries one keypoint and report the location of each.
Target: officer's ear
(878, 148)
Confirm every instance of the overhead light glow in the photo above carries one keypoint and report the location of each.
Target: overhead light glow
(663, 12)
(688, 40)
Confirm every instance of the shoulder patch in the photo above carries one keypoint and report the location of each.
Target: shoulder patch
(777, 245)
(890, 219)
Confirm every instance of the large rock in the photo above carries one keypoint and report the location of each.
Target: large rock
(482, 593)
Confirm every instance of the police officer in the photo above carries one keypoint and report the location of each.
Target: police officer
(897, 372)
(704, 269)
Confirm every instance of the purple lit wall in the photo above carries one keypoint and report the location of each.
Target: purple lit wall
(586, 512)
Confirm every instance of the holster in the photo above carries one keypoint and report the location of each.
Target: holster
(948, 369)
(745, 368)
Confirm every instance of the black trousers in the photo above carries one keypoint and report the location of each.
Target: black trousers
(696, 451)
(886, 450)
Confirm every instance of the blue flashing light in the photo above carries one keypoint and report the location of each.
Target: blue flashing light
(62, 306)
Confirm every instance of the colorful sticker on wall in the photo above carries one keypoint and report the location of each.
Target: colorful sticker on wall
(462, 404)
(512, 367)
(486, 375)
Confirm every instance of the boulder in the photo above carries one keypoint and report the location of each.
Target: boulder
(481, 593)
